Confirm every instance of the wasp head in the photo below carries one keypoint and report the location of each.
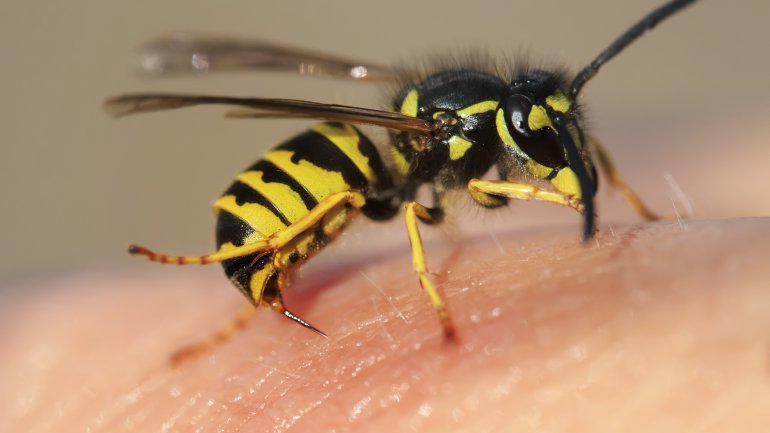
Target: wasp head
(541, 126)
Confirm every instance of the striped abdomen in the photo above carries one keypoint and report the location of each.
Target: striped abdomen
(283, 187)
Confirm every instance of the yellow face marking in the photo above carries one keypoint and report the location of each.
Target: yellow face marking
(409, 106)
(567, 183)
(558, 102)
(399, 161)
(538, 169)
(346, 139)
(319, 182)
(538, 118)
(285, 199)
(257, 216)
(502, 131)
(457, 147)
(481, 107)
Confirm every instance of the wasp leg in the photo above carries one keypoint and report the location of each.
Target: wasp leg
(272, 243)
(220, 336)
(488, 192)
(414, 211)
(219, 256)
(271, 295)
(616, 180)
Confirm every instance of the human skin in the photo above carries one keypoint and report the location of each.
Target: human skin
(653, 327)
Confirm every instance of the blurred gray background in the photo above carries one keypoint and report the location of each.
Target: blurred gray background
(77, 187)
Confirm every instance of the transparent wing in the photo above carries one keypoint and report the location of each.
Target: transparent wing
(263, 107)
(186, 53)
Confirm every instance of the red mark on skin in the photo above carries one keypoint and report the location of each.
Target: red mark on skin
(625, 241)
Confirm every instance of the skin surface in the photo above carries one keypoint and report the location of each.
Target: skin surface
(655, 327)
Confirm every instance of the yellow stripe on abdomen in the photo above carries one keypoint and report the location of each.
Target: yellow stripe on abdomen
(319, 182)
(347, 140)
(260, 218)
(282, 196)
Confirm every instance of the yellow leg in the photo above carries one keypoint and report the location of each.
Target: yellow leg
(484, 191)
(414, 211)
(219, 256)
(195, 350)
(274, 300)
(275, 241)
(616, 180)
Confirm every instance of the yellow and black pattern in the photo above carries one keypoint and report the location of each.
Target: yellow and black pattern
(448, 129)
(284, 186)
(462, 104)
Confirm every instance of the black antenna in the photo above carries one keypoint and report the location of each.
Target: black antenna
(647, 23)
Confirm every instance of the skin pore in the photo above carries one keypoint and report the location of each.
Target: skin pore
(652, 327)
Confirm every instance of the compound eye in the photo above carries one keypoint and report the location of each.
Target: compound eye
(517, 109)
(537, 144)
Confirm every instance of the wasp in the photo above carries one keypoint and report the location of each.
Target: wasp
(447, 129)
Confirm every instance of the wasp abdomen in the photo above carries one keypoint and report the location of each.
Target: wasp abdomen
(285, 186)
